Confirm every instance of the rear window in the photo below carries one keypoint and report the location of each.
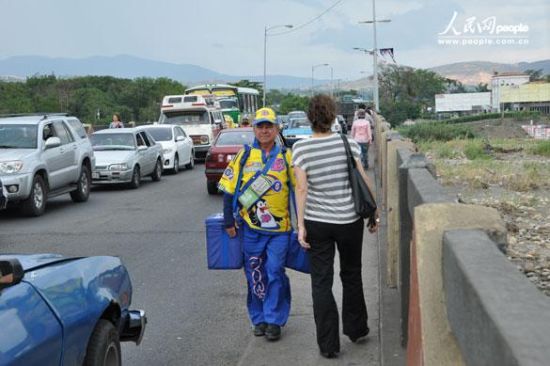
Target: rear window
(235, 138)
(78, 127)
(161, 134)
(190, 99)
(174, 100)
(184, 118)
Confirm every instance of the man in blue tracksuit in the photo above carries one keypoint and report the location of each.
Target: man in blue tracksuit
(259, 176)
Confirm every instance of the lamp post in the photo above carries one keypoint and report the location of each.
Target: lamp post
(375, 51)
(267, 29)
(312, 72)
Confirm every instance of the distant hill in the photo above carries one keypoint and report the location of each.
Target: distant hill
(131, 67)
(473, 73)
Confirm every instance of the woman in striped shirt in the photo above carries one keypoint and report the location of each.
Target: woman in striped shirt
(327, 220)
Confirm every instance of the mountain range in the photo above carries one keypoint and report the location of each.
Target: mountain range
(124, 66)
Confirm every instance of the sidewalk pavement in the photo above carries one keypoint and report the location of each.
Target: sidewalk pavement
(298, 345)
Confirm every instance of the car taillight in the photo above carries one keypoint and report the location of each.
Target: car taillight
(229, 158)
(221, 158)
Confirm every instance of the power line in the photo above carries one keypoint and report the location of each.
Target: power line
(294, 29)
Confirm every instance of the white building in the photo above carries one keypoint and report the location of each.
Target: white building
(502, 80)
(463, 102)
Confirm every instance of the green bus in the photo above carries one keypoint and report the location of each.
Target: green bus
(233, 101)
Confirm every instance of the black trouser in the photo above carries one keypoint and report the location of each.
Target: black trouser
(349, 240)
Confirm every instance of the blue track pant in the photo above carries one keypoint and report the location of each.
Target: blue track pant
(268, 286)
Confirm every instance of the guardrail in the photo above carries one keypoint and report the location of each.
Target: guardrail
(462, 301)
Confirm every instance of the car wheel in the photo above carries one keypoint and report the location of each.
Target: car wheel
(83, 186)
(157, 173)
(36, 203)
(176, 164)
(191, 163)
(212, 187)
(104, 346)
(136, 178)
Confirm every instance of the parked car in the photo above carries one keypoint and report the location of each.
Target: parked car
(298, 128)
(3, 197)
(56, 310)
(177, 147)
(43, 156)
(225, 147)
(125, 155)
(336, 127)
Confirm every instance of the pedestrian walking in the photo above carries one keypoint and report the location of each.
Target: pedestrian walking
(361, 132)
(327, 221)
(258, 180)
(116, 123)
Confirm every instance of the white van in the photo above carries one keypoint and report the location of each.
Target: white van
(200, 117)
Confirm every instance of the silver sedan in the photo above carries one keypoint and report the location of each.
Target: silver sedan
(125, 155)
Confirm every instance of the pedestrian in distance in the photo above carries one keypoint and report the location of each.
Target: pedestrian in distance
(327, 221)
(256, 185)
(361, 132)
(245, 121)
(116, 123)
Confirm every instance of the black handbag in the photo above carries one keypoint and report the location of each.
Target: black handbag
(365, 205)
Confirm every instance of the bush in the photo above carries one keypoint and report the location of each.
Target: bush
(475, 150)
(519, 116)
(436, 131)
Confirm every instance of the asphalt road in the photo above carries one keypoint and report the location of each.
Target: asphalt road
(196, 316)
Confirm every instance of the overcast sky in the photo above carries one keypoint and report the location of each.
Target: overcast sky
(228, 36)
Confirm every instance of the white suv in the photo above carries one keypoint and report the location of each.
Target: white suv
(43, 156)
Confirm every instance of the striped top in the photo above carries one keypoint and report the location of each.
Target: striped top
(329, 197)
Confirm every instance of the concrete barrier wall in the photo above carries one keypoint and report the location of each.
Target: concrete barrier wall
(435, 323)
(497, 316)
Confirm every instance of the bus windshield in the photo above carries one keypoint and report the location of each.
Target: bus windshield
(228, 103)
(184, 118)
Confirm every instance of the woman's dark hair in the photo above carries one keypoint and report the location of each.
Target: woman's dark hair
(117, 116)
(321, 113)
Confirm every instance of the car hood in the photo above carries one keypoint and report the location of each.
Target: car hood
(15, 154)
(198, 129)
(32, 261)
(229, 149)
(297, 131)
(106, 157)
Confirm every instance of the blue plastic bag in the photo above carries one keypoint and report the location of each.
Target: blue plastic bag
(222, 252)
(297, 258)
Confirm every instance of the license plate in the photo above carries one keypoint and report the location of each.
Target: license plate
(95, 175)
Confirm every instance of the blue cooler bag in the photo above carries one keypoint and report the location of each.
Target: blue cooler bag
(222, 252)
(297, 257)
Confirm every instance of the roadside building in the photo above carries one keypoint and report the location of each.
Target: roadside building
(504, 80)
(534, 96)
(463, 103)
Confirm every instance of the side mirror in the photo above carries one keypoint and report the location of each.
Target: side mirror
(11, 272)
(52, 142)
(142, 148)
(180, 138)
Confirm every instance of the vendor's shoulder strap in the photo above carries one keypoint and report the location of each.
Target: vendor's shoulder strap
(242, 162)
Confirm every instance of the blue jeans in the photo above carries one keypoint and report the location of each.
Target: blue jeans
(364, 154)
(268, 299)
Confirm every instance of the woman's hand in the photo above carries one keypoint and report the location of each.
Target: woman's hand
(231, 231)
(302, 238)
(373, 222)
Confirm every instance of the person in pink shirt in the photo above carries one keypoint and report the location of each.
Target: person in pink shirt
(361, 132)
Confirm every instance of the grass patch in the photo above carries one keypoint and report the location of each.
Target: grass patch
(475, 149)
(540, 148)
(436, 131)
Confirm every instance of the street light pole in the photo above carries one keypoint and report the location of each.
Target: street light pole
(267, 29)
(375, 53)
(312, 72)
(331, 82)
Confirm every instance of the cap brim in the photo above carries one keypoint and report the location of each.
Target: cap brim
(264, 120)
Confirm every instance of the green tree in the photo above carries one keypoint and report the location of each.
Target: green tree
(534, 75)
(293, 102)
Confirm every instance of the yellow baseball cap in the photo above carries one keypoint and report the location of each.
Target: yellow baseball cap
(265, 115)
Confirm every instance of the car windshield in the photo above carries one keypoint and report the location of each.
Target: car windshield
(297, 114)
(113, 141)
(299, 123)
(184, 118)
(228, 103)
(18, 136)
(235, 138)
(161, 134)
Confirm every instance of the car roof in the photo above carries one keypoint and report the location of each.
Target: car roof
(237, 129)
(117, 130)
(145, 127)
(30, 119)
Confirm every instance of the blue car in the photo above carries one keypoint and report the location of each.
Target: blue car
(56, 310)
(298, 128)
